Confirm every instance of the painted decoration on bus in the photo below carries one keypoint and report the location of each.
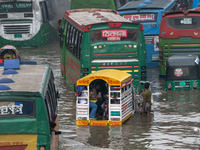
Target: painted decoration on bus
(178, 72)
(17, 5)
(87, 81)
(114, 35)
(82, 111)
(17, 108)
(7, 110)
(140, 17)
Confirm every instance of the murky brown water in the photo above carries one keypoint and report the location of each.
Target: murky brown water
(173, 125)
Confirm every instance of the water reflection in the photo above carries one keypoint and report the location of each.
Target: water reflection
(173, 125)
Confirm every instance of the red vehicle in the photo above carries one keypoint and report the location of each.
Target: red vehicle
(179, 34)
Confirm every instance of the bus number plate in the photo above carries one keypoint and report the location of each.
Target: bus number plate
(185, 40)
(182, 83)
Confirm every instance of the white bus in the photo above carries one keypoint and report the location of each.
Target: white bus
(29, 23)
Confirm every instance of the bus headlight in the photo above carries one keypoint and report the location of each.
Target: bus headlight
(95, 47)
(134, 46)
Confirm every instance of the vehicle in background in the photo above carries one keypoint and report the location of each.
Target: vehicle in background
(102, 40)
(28, 106)
(29, 23)
(105, 4)
(119, 99)
(183, 72)
(8, 51)
(179, 34)
(195, 3)
(149, 14)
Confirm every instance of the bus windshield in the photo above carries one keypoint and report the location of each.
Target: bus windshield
(114, 35)
(180, 23)
(10, 7)
(142, 17)
(17, 108)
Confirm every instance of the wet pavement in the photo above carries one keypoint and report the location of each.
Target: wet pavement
(174, 124)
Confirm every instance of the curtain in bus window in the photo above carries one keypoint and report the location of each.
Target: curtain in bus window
(114, 35)
(183, 22)
(8, 7)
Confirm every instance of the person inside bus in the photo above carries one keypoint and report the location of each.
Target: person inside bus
(146, 100)
(9, 55)
(92, 105)
(96, 98)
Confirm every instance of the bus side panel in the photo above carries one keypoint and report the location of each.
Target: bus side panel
(62, 48)
(43, 128)
(72, 69)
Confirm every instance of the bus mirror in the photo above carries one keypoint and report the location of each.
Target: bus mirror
(57, 132)
(57, 94)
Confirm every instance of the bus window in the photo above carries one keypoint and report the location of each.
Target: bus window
(183, 23)
(49, 110)
(115, 98)
(67, 35)
(43, 7)
(17, 108)
(79, 45)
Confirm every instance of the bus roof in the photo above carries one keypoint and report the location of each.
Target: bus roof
(182, 12)
(111, 76)
(83, 17)
(183, 60)
(141, 5)
(30, 78)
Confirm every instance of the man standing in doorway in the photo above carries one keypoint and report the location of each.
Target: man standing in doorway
(146, 100)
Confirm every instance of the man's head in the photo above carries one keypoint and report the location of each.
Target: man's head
(97, 86)
(146, 85)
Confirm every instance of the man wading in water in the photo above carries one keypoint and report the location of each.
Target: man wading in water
(146, 100)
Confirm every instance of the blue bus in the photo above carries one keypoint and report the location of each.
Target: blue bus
(195, 3)
(149, 13)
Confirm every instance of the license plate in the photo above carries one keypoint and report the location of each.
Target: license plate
(182, 83)
(185, 40)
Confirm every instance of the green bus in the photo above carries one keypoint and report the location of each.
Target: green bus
(106, 4)
(179, 34)
(96, 39)
(183, 72)
(28, 107)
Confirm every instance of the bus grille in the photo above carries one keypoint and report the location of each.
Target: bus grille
(148, 39)
(16, 29)
(186, 87)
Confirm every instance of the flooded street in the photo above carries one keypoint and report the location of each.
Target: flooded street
(174, 124)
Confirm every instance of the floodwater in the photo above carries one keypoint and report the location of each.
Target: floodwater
(174, 124)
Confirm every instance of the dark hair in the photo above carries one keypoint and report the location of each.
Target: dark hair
(146, 85)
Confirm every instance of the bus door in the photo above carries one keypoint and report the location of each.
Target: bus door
(115, 105)
(82, 104)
